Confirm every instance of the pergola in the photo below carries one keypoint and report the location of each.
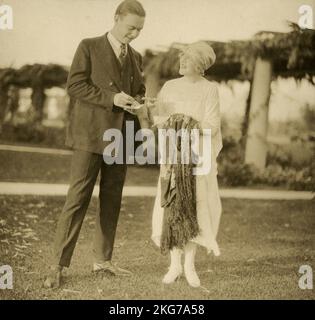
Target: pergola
(266, 56)
(38, 77)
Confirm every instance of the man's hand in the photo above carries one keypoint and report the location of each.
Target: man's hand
(135, 108)
(123, 100)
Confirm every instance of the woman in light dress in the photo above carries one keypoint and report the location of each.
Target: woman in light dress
(194, 96)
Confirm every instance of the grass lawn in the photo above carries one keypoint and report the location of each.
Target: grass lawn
(263, 244)
(52, 168)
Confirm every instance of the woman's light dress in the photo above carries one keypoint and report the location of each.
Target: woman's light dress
(200, 101)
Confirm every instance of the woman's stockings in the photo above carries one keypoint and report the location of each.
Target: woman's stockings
(189, 265)
(175, 269)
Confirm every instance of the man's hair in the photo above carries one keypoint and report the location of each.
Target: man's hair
(130, 6)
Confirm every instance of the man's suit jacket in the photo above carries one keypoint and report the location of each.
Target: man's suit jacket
(93, 80)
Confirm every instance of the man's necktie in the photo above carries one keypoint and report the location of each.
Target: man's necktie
(123, 53)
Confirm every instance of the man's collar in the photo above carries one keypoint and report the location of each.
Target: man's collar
(113, 40)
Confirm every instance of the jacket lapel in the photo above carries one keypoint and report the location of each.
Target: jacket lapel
(111, 64)
(113, 67)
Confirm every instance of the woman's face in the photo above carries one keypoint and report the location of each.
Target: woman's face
(187, 65)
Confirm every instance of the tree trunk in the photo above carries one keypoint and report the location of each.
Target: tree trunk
(256, 144)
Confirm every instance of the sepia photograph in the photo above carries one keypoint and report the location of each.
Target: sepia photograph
(157, 150)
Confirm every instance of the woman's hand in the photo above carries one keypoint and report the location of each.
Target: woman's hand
(150, 102)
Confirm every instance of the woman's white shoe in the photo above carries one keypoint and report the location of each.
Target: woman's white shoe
(192, 277)
(172, 275)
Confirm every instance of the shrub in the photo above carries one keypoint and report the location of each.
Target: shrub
(231, 169)
(29, 133)
(32, 133)
(236, 174)
(284, 169)
(298, 154)
(291, 178)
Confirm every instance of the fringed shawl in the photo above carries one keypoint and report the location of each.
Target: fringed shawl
(178, 189)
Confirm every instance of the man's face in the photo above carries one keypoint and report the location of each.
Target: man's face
(128, 27)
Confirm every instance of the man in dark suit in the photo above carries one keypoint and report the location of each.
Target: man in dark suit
(105, 79)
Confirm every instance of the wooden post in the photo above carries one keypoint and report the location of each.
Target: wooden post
(256, 143)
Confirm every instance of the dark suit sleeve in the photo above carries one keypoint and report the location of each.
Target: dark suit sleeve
(79, 83)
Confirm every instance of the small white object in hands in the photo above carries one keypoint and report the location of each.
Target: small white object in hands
(134, 107)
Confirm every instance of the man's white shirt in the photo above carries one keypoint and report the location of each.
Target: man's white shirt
(116, 45)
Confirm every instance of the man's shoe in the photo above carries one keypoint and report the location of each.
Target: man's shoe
(53, 280)
(108, 267)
